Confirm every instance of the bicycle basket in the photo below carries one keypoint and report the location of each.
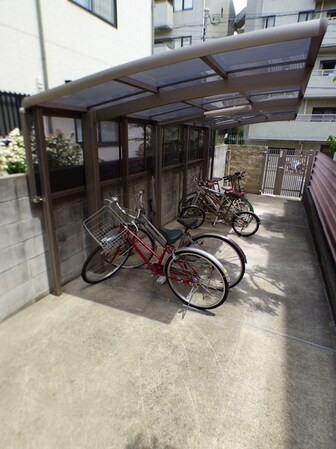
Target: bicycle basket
(105, 227)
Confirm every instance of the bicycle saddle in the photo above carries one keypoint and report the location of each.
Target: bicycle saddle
(188, 223)
(171, 235)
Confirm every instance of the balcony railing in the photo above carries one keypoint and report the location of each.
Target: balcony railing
(316, 118)
(330, 36)
(307, 127)
(321, 84)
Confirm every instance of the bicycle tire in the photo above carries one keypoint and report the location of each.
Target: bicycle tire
(101, 265)
(196, 278)
(226, 251)
(245, 224)
(134, 260)
(194, 212)
(186, 201)
(247, 203)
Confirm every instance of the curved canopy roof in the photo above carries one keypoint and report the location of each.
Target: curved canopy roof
(247, 78)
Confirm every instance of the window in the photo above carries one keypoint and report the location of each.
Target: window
(196, 144)
(182, 5)
(109, 151)
(306, 15)
(327, 114)
(268, 22)
(175, 42)
(328, 67)
(278, 151)
(104, 9)
(139, 148)
(173, 148)
(331, 13)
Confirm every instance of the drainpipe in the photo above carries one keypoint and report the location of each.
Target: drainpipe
(43, 52)
(153, 30)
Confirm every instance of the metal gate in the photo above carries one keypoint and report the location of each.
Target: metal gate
(286, 174)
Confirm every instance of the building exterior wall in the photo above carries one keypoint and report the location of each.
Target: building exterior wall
(77, 43)
(193, 23)
(308, 130)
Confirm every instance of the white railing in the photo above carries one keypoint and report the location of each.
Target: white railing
(316, 118)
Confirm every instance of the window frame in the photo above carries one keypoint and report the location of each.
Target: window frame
(91, 11)
(196, 152)
(145, 160)
(172, 40)
(309, 13)
(178, 155)
(183, 8)
(266, 21)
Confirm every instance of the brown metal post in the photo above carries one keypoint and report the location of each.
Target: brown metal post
(158, 174)
(47, 202)
(125, 157)
(91, 164)
(206, 153)
(186, 135)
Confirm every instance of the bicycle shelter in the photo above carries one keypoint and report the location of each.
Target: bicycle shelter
(254, 77)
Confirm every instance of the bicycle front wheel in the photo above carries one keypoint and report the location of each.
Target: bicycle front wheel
(245, 224)
(197, 278)
(194, 212)
(188, 200)
(101, 265)
(228, 252)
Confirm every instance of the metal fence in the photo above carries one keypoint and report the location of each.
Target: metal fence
(286, 174)
(10, 104)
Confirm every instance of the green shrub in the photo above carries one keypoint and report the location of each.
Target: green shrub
(12, 153)
(61, 151)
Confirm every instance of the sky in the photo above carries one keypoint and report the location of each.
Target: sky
(239, 5)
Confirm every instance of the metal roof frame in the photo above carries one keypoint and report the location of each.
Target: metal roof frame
(267, 71)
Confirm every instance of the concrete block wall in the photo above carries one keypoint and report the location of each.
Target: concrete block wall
(72, 240)
(23, 262)
(250, 159)
(24, 265)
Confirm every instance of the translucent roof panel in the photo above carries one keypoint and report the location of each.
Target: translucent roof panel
(264, 55)
(174, 73)
(96, 95)
(264, 71)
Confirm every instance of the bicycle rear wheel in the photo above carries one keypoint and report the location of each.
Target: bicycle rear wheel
(226, 251)
(194, 212)
(245, 224)
(101, 265)
(197, 278)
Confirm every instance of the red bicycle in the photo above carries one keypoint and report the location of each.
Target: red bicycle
(196, 277)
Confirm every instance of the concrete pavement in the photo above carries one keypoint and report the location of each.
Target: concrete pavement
(115, 366)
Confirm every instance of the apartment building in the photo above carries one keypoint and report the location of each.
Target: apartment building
(317, 115)
(179, 23)
(45, 43)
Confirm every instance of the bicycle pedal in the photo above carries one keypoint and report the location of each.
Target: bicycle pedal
(161, 280)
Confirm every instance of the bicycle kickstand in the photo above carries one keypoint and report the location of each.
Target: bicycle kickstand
(188, 298)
